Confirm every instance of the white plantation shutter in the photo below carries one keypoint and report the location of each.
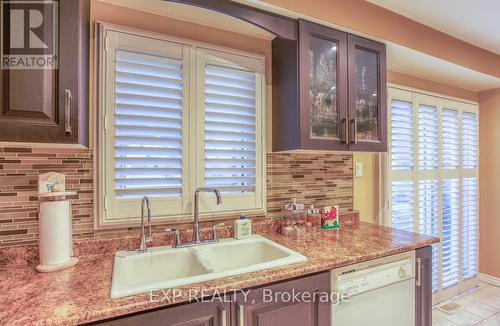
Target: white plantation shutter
(402, 151)
(402, 202)
(469, 140)
(174, 116)
(440, 196)
(450, 139)
(449, 232)
(230, 129)
(427, 137)
(402, 148)
(230, 155)
(469, 228)
(148, 125)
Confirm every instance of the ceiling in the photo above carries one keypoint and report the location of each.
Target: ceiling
(473, 21)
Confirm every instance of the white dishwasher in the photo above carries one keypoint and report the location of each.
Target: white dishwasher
(382, 292)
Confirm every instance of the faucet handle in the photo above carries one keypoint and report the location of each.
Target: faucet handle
(214, 231)
(177, 239)
(150, 237)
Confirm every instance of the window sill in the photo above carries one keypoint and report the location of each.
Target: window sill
(176, 220)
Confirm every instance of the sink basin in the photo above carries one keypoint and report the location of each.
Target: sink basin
(156, 266)
(167, 267)
(231, 255)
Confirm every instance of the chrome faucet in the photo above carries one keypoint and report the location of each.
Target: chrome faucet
(143, 247)
(196, 225)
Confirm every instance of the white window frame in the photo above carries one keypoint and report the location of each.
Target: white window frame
(194, 56)
(416, 97)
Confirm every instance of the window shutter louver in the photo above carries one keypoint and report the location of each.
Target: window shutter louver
(469, 140)
(429, 218)
(230, 129)
(469, 228)
(148, 125)
(449, 232)
(402, 201)
(427, 137)
(402, 143)
(450, 140)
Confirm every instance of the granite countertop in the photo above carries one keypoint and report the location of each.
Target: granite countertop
(82, 293)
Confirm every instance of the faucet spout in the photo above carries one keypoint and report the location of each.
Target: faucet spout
(145, 202)
(196, 226)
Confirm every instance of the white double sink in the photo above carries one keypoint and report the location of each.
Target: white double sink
(167, 267)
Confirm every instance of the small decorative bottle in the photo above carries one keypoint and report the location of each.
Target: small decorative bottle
(293, 221)
(313, 220)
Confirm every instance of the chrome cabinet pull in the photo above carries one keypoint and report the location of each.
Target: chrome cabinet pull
(345, 122)
(355, 129)
(418, 280)
(67, 111)
(223, 317)
(241, 314)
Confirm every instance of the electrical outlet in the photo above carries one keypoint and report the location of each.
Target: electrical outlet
(359, 169)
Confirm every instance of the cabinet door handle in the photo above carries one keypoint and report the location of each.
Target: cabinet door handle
(223, 317)
(67, 111)
(345, 122)
(241, 314)
(355, 130)
(418, 280)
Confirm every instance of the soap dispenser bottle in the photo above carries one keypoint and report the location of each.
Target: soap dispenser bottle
(242, 227)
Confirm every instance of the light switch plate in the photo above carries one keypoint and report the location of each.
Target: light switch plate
(359, 169)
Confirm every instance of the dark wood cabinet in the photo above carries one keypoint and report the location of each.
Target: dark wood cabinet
(423, 287)
(367, 95)
(323, 71)
(293, 303)
(300, 302)
(329, 93)
(193, 314)
(51, 105)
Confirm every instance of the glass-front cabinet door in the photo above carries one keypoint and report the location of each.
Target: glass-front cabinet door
(367, 95)
(323, 90)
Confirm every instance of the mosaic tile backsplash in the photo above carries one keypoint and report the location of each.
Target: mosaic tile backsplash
(319, 179)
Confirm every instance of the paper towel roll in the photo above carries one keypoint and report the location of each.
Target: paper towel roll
(55, 232)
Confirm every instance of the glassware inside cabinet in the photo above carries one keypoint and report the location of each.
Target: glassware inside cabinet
(367, 109)
(323, 88)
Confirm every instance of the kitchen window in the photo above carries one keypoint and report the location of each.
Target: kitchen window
(433, 181)
(176, 115)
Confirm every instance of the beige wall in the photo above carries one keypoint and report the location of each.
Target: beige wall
(431, 86)
(489, 182)
(366, 187)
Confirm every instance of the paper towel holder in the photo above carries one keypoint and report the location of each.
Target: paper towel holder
(55, 224)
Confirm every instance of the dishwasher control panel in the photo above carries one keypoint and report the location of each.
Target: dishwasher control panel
(365, 277)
